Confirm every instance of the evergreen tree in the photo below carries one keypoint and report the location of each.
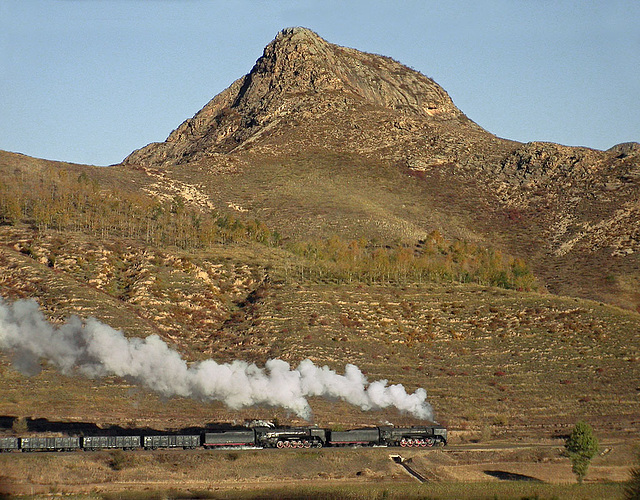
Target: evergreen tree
(582, 446)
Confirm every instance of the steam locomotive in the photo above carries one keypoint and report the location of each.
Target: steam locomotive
(264, 436)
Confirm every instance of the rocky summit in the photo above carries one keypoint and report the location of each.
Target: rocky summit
(298, 77)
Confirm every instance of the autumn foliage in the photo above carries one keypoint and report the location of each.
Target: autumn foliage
(59, 200)
(55, 199)
(432, 259)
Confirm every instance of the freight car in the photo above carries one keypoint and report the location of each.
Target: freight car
(187, 442)
(106, 442)
(50, 444)
(9, 444)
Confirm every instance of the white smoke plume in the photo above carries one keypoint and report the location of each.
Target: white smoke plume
(95, 349)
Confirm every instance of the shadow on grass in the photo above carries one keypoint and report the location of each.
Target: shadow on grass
(90, 428)
(511, 476)
(240, 495)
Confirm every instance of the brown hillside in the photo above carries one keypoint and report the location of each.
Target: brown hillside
(289, 217)
(321, 139)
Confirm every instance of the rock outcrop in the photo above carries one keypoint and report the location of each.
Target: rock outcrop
(299, 73)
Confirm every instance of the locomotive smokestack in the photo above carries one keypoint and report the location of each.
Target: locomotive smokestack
(94, 349)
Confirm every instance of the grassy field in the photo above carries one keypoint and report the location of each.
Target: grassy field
(346, 473)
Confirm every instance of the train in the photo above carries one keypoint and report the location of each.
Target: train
(263, 436)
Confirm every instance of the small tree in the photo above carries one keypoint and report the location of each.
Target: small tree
(632, 491)
(19, 425)
(582, 446)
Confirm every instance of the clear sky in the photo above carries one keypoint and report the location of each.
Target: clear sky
(89, 81)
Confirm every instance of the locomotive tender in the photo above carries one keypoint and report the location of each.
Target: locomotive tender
(256, 437)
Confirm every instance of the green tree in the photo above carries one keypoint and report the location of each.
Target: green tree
(582, 446)
(632, 491)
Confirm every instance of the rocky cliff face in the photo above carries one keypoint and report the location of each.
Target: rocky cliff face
(300, 74)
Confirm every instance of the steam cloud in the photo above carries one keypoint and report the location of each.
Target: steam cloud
(95, 349)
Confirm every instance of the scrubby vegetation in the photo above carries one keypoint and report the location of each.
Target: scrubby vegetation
(54, 199)
(632, 491)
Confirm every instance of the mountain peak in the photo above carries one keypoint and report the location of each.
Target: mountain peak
(298, 39)
(298, 33)
(302, 75)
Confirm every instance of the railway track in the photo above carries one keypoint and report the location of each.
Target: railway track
(402, 462)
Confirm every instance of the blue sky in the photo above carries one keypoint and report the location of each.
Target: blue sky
(89, 81)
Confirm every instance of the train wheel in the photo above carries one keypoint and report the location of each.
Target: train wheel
(403, 443)
(319, 444)
(307, 444)
(423, 443)
(430, 442)
(280, 444)
(287, 444)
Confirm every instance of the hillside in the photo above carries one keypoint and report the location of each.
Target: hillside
(321, 139)
(337, 206)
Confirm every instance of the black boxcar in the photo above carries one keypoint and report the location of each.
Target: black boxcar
(171, 441)
(229, 438)
(9, 444)
(49, 444)
(101, 442)
(363, 437)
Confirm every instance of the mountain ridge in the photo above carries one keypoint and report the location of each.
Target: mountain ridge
(320, 140)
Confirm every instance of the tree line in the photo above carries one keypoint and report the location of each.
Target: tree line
(59, 200)
(432, 259)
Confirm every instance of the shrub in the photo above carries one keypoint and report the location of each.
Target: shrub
(632, 491)
(119, 460)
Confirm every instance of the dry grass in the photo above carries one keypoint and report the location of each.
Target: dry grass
(493, 361)
(345, 473)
